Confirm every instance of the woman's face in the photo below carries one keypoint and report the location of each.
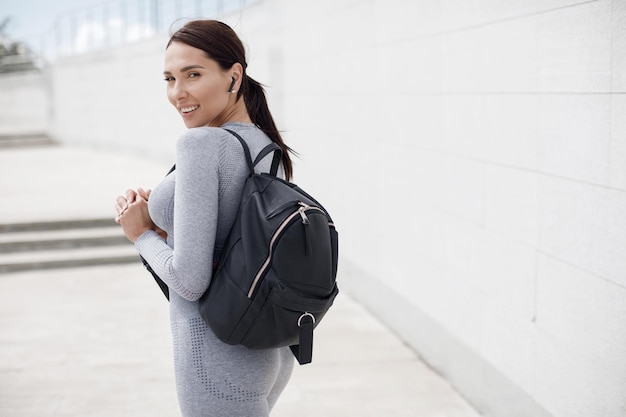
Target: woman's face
(196, 86)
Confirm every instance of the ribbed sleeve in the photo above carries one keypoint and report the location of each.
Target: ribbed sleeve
(187, 269)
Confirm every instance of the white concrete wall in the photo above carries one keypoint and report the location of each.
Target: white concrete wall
(24, 103)
(472, 153)
(115, 99)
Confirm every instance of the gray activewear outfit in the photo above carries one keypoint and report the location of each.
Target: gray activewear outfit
(196, 205)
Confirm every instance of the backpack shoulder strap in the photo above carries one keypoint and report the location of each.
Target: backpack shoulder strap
(272, 147)
(246, 150)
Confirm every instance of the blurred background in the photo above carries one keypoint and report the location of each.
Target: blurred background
(471, 152)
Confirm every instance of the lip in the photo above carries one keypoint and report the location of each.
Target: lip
(188, 109)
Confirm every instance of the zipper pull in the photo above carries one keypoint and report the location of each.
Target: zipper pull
(305, 219)
(307, 234)
(303, 207)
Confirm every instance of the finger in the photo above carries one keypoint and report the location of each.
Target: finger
(121, 201)
(119, 209)
(131, 195)
(143, 193)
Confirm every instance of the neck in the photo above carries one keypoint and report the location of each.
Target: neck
(237, 112)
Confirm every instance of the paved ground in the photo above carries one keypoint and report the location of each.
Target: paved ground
(94, 341)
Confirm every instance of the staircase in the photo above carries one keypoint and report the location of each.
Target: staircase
(63, 244)
(20, 140)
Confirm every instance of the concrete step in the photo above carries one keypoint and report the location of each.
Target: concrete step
(63, 244)
(25, 139)
(66, 258)
(61, 239)
(58, 225)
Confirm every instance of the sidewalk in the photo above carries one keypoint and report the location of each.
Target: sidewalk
(94, 341)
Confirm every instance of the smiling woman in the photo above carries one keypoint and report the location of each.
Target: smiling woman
(195, 207)
(215, 43)
(196, 85)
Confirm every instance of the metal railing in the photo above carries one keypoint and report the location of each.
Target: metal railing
(117, 22)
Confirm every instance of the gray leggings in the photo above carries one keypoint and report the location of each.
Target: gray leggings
(214, 379)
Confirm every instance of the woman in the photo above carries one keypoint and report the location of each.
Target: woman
(181, 231)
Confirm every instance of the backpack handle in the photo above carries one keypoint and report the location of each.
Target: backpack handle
(272, 147)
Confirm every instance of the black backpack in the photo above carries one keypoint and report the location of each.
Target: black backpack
(275, 279)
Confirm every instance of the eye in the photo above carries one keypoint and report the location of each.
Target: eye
(168, 78)
(193, 75)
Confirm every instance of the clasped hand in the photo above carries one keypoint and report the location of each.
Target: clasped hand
(133, 216)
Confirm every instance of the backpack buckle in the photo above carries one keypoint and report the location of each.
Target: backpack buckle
(305, 315)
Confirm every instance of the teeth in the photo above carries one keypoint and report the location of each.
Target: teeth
(188, 109)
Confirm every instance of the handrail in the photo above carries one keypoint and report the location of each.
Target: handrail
(116, 22)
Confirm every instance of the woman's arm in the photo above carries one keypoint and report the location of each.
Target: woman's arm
(187, 269)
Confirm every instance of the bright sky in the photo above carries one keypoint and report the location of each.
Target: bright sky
(31, 18)
(57, 27)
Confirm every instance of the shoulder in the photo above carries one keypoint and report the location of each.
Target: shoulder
(198, 138)
(206, 143)
(209, 149)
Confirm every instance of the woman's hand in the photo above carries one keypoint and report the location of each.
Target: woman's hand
(133, 215)
(122, 202)
(135, 219)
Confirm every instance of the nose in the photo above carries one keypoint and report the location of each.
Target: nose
(177, 92)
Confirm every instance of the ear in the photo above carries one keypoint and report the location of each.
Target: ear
(236, 72)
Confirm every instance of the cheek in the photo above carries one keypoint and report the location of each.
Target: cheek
(170, 96)
(209, 92)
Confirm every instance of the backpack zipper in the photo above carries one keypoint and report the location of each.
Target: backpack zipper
(305, 220)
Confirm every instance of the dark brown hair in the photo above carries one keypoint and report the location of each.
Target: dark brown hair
(222, 45)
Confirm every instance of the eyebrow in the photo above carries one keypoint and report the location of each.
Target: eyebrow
(187, 68)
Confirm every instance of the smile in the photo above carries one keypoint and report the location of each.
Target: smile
(188, 109)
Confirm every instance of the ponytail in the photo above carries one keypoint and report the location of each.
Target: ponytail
(259, 112)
